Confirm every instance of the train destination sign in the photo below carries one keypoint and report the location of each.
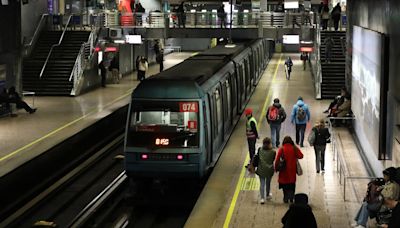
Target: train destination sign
(188, 107)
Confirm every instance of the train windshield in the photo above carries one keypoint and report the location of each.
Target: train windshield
(164, 124)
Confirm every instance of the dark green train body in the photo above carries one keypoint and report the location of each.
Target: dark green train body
(180, 119)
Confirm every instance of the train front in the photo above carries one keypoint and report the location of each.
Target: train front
(163, 139)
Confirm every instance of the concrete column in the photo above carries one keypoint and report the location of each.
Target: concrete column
(263, 5)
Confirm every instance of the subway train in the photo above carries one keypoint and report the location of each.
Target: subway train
(180, 119)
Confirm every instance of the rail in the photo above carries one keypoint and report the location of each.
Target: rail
(55, 45)
(337, 148)
(98, 201)
(206, 19)
(84, 56)
(317, 61)
(28, 46)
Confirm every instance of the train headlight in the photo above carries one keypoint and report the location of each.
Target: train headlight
(144, 156)
(179, 157)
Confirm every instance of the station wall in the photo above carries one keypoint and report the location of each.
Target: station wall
(383, 17)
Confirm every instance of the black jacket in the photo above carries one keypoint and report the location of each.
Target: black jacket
(321, 135)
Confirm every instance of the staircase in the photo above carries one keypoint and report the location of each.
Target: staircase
(333, 73)
(55, 78)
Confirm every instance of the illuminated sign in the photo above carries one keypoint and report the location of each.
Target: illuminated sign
(306, 49)
(162, 142)
(133, 39)
(188, 107)
(110, 49)
(291, 4)
(291, 39)
(192, 125)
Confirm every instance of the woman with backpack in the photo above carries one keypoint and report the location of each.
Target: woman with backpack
(265, 168)
(321, 137)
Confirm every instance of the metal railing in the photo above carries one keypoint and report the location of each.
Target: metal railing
(55, 45)
(317, 61)
(28, 46)
(337, 148)
(84, 57)
(206, 19)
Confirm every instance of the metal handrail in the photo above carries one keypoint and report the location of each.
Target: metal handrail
(36, 33)
(342, 45)
(341, 166)
(55, 45)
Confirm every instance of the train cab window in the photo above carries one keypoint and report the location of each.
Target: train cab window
(164, 124)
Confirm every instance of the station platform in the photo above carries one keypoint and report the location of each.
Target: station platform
(57, 118)
(231, 195)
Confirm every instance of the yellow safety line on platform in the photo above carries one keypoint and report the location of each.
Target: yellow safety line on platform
(241, 177)
(63, 127)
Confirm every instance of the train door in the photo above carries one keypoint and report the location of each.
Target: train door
(218, 122)
(242, 86)
(207, 130)
(227, 107)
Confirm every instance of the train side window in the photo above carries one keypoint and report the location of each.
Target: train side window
(247, 72)
(242, 79)
(228, 94)
(213, 116)
(218, 102)
(233, 87)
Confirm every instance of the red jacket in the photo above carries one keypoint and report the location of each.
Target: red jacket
(288, 175)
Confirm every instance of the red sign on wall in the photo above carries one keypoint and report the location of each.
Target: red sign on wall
(188, 107)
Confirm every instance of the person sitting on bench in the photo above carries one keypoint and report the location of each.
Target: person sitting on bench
(13, 97)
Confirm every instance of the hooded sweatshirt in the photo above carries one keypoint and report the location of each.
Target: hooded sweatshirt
(293, 116)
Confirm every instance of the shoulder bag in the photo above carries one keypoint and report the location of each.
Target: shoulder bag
(281, 163)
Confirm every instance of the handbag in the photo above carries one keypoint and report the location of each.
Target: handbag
(311, 137)
(299, 170)
(281, 163)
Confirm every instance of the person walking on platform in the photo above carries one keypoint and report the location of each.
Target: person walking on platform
(114, 68)
(287, 175)
(159, 51)
(103, 73)
(288, 67)
(321, 137)
(143, 66)
(304, 58)
(299, 214)
(251, 132)
(221, 15)
(275, 116)
(300, 116)
(265, 168)
(335, 15)
(181, 15)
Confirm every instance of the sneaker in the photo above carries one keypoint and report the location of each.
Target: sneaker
(32, 111)
(262, 201)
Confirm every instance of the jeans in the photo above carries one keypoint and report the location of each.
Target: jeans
(265, 186)
(275, 130)
(252, 147)
(319, 157)
(362, 215)
(300, 129)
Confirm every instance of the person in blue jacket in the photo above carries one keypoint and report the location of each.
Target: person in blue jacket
(300, 116)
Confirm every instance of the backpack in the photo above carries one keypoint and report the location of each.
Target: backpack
(301, 113)
(273, 113)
